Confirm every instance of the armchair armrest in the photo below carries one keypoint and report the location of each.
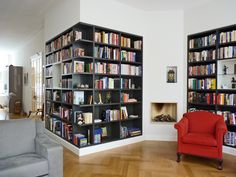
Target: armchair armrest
(182, 127)
(221, 129)
(53, 152)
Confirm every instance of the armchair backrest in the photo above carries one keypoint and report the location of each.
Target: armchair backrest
(17, 137)
(202, 121)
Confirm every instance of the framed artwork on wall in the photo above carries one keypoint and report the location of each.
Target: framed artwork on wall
(171, 74)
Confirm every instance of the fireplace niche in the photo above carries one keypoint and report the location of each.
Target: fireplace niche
(163, 112)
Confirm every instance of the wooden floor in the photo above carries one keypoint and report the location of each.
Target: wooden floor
(145, 159)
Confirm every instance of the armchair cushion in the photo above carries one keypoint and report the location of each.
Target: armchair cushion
(204, 139)
(20, 165)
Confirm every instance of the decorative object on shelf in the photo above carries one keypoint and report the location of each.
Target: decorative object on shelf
(108, 97)
(225, 69)
(233, 81)
(171, 74)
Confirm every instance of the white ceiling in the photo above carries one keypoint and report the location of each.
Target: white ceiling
(20, 20)
(155, 5)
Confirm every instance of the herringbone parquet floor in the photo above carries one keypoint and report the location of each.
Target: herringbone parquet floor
(145, 159)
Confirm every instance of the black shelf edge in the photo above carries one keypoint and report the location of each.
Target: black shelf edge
(130, 89)
(202, 62)
(67, 60)
(101, 74)
(84, 125)
(231, 43)
(202, 90)
(101, 90)
(226, 90)
(202, 104)
(130, 119)
(107, 104)
(69, 74)
(229, 145)
(105, 44)
(130, 103)
(203, 76)
(82, 89)
(83, 105)
(83, 73)
(202, 48)
(83, 57)
(68, 104)
(58, 102)
(227, 59)
(69, 89)
(52, 64)
(83, 41)
(131, 62)
(131, 49)
(48, 77)
(226, 106)
(107, 60)
(124, 75)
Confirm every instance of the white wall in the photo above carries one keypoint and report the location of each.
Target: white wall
(22, 58)
(212, 15)
(61, 16)
(163, 46)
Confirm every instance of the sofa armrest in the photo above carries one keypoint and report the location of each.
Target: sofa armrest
(221, 129)
(182, 127)
(53, 152)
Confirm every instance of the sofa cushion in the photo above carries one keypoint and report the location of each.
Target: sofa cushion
(17, 137)
(204, 139)
(25, 165)
(202, 121)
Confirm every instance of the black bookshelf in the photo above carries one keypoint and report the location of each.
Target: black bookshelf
(94, 78)
(210, 68)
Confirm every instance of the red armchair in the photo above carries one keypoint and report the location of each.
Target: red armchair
(201, 133)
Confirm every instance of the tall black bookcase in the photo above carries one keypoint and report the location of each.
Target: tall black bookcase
(93, 85)
(211, 75)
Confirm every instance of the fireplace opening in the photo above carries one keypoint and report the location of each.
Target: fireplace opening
(163, 112)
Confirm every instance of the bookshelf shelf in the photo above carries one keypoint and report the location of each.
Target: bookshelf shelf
(83, 56)
(221, 55)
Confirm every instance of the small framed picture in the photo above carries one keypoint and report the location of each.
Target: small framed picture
(171, 74)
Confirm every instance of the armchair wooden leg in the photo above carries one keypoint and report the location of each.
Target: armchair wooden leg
(220, 164)
(178, 157)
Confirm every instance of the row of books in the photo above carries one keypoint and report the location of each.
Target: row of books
(203, 41)
(226, 99)
(81, 118)
(67, 97)
(53, 58)
(48, 71)
(107, 52)
(201, 70)
(127, 69)
(81, 67)
(228, 36)
(49, 83)
(54, 45)
(66, 53)
(205, 55)
(79, 52)
(67, 131)
(230, 138)
(66, 83)
(126, 84)
(108, 38)
(201, 98)
(55, 126)
(138, 44)
(128, 56)
(112, 114)
(133, 131)
(63, 40)
(227, 52)
(107, 83)
(106, 68)
(202, 83)
(229, 117)
(81, 140)
(123, 113)
(65, 113)
(125, 42)
(67, 68)
(48, 94)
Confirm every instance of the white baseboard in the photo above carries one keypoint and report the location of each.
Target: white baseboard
(229, 150)
(94, 149)
(160, 138)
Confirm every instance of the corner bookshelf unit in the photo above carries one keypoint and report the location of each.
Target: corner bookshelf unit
(93, 85)
(211, 75)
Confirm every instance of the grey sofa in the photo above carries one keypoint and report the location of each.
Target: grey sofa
(25, 151)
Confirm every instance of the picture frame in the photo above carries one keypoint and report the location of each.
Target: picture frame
(171, 74)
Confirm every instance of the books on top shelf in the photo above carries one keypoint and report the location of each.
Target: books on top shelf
(78, 97)
(205, 55)
(107, 83)
(78, 35)
(202, 41)
(125, 42)
(67, 38)
(228, 36)
(54, 45)
(127, 69)
(107, 38)
(107, 53)
(201, 83)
